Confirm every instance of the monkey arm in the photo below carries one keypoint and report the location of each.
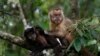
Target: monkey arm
(55, 33)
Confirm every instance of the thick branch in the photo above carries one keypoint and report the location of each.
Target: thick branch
(11, 38)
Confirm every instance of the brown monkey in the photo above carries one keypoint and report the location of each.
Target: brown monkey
(59, 25)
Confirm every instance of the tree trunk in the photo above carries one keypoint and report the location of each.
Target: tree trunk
(74, 9)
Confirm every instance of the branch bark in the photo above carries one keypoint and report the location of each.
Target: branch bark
(11, 38)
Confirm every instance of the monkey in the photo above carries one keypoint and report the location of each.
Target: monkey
(59, 25)
(35, 34)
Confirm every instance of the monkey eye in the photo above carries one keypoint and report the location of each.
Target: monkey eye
(57, 14)
(52, 16)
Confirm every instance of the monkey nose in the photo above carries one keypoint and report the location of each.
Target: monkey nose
(56, 18)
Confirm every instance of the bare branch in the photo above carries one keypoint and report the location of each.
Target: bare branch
(11, 38)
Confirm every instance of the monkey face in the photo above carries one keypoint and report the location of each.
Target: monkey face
(56, 16)
(30, 34)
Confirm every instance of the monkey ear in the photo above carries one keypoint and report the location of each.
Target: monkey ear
(50, 14)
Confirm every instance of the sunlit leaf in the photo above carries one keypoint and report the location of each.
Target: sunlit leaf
(91, 42)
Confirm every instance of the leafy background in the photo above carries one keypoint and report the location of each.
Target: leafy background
(87, 31)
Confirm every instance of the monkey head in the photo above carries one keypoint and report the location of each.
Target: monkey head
(56, 15)
(30, 34)
(33, 32)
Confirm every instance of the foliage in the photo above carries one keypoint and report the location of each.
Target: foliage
(87, 34)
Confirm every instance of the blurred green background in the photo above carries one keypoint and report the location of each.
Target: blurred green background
(36, 13)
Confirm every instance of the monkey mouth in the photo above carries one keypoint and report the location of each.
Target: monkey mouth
(58, 21)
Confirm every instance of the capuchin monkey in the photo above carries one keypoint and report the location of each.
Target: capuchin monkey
(59, 25)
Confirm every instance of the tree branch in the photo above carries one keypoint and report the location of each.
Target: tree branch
(11, 38)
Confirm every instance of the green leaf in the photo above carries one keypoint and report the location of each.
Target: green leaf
(91, 42)
(77, 45)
